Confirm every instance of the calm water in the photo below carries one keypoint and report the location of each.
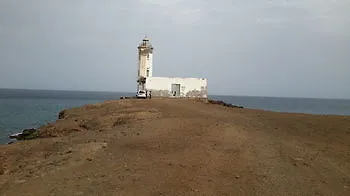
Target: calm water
(21, 109)
(292, 105)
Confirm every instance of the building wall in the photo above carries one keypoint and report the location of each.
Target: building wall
(189, 87)
(142, 65)
(149, 65)
(145, 63)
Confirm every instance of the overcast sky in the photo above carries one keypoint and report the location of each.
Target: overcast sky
(289, 48)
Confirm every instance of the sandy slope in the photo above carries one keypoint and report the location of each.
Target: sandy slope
(180, 147)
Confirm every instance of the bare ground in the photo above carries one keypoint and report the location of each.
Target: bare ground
(180, 147)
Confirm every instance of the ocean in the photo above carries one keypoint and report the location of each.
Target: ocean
(22, 109)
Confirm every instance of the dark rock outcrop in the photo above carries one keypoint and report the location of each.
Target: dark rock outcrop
(123, 97)
(27, 134)
(61, 115)
(223, 104)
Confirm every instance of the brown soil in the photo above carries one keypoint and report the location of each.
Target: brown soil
(180, 147)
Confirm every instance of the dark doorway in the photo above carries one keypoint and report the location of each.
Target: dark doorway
(175, 89)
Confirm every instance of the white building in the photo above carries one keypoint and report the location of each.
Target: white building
(165, 86)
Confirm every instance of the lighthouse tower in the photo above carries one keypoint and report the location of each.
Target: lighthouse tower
(145, 52)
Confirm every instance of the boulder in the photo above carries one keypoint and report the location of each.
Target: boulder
(61, 115)
(26, 134)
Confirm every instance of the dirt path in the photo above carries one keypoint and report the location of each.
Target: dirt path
(181, 147)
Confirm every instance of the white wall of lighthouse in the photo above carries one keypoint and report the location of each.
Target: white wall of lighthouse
(165, 86)
(145, 64)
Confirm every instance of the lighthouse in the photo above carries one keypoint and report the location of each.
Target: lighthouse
(164, 86)
(145, 52)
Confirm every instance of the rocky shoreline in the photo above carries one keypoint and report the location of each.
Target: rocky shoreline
(218, 102)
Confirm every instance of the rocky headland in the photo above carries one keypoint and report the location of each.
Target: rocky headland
(179, 147)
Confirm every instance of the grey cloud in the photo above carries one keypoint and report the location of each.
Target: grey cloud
(269, 48)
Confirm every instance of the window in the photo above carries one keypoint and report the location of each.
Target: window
(147, 72)
(147, 56)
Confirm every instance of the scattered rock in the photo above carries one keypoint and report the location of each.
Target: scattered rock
(82, 125)
(20, 181)
(119, 121)
(104, 145)
(89, 124)
(124, 97)
(69, 151)
(323, 181)
(237, 176)
(121, 178)
(346, 187)
(89, 159)
(299, 161)
(137, 133)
